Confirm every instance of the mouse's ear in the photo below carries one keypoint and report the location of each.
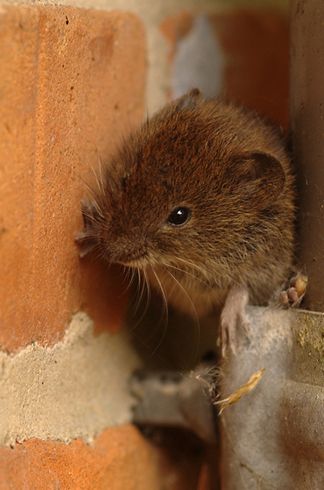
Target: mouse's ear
(190, 100)
(261, 174)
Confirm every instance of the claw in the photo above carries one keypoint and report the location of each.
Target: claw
(294, 294)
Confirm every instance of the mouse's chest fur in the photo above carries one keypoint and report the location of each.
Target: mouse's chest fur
(185, 292)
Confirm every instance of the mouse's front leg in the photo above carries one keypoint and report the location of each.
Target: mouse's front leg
(233, 315)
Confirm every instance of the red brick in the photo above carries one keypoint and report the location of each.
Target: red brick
(256, 48)
(72, 82)
(120, 459)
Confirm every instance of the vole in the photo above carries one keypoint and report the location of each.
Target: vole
(201, 200)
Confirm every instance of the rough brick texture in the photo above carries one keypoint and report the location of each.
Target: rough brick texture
(72, 82)
(120, 459)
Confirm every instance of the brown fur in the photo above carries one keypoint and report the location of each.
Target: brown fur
(231, 169)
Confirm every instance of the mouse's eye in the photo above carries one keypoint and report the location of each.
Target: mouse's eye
(179, 216)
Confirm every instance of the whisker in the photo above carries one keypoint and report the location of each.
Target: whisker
(142, 286)
(85, 182)
(165, 302)
(128, 277)
(195, 314)
(100, 177)
(191, 265)
(141, 293)
(146, 287)
(165, 312)
(138, 289)
(99, 254)
(95, 175)
(148, 290)
(185, 292)
(188, 273)
(94, 203)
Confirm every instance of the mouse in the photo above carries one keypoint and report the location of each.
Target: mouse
(200, 200)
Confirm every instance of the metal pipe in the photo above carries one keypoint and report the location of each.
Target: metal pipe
(307, 118)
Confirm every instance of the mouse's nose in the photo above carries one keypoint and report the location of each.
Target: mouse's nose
(126, 251)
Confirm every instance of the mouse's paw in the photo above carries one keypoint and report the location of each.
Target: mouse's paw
(293, 295)
(234, 319)
(231, 325)
(228, 332)
(86, 239)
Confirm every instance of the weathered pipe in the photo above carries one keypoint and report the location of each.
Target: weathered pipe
(307, 118)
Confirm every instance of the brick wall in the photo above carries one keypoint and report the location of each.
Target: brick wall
(74, 80)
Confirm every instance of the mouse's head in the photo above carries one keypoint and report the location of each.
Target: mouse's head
(188, 187)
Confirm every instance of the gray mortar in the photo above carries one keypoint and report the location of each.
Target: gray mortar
(74, 389)
(199, 61)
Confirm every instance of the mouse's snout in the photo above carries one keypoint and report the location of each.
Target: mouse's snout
(126, 251)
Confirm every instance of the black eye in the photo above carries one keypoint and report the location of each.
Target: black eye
(179, 216)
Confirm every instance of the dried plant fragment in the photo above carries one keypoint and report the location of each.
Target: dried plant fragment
(241, 391)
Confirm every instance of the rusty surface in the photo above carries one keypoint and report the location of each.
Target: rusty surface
(307, 114)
